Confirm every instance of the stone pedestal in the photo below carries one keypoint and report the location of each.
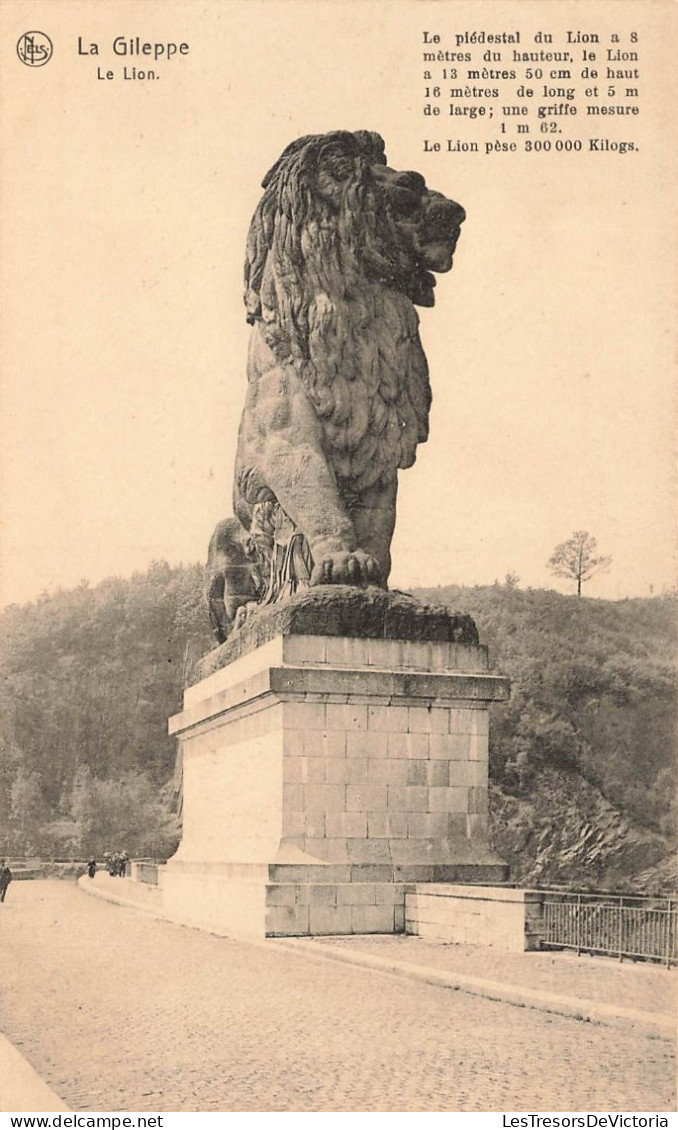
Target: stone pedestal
(324, 774)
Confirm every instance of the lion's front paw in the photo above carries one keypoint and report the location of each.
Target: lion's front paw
(344, 568)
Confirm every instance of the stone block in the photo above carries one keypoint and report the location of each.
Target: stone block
(437, 773)
(380, 772)
(408, 745)
(389, 894)
(338, 770)
(428, 720)
(346, 717)
(459, 721)
(293, 798)
(363, 850)
(293, 770)
(304, 649)
(417, 772)
(305, 715)
(458, 773)
(361, 798)
(294, 743)
(331, 848)
(293, 823)
(321, 894)
(330, 798)
(313, 770)
(427, 825)
(333, 744)
(280, 894)
(412, 853)
(478, 800)
(346, 652)
(457, 827)
(413, 872)
(397, 824)
(389, 719)
(365, 744)
(330, 919)
(378, 826)
(448, 799)
(478, 826)
(410, 798)
(480, 722)
(478, 748)
(371, 873)
(385, 653)
(314, 823)
(450, 747)
(287, 920)
(356, 894)
(372, 919)
(477, 772)
(357, 771)
(346, 824)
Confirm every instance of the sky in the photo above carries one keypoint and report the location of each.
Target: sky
(125, 209)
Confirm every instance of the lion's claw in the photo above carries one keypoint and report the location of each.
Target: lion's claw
(346, 568)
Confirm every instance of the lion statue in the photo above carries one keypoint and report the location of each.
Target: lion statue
(340, 250)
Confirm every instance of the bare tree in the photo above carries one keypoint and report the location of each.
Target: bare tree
(575, 559)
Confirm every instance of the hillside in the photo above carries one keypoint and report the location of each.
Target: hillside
(582, 759)
(582, 770)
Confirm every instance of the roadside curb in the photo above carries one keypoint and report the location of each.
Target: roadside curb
(651, 1023)
(23, 1090)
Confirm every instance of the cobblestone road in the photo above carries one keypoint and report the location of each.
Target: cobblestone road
(119, 1011)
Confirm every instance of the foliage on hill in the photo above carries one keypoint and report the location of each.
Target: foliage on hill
(581, 758)
(89, 678)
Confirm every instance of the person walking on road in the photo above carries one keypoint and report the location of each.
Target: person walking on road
(5, 879)
(92, 868)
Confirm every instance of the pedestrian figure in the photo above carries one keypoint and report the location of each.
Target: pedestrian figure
(5, 879)
(124, 858)
(92, 868)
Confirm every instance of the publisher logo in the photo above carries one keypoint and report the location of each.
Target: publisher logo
(34, 48)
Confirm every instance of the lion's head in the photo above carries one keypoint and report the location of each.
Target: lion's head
(393, 229)
(340, 248)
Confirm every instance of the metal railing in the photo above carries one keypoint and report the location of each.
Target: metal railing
(620, 925)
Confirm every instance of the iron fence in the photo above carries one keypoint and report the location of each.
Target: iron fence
(620, 925)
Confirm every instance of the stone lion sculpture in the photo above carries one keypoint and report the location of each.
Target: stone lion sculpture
(340, 251)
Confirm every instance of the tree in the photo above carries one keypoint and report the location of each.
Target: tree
(575, 559)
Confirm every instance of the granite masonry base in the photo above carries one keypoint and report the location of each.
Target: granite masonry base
(323, 775)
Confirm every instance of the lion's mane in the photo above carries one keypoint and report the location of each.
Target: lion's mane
(325, 279)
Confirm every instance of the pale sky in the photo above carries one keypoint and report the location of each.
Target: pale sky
(125, 213)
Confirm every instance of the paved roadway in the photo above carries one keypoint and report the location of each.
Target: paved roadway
(119, 1011)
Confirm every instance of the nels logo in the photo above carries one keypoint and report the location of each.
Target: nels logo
(34, 48)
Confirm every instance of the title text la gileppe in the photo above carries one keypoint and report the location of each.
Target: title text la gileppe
(132, 48)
